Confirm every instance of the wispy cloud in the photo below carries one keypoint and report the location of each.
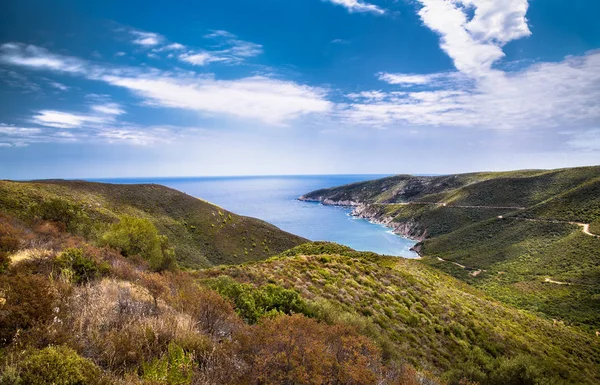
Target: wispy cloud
(59, 119)
(262, 98)
(227, 48)
(544, 95)
(108, 109)
(147, 39)
(358, 6)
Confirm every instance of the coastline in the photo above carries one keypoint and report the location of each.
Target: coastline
(362, 211)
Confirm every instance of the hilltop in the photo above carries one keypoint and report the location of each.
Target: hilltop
(525, 237)
(201, 233)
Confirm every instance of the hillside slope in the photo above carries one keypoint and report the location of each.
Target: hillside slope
(420, 315)
(203, 234)
(517, 235)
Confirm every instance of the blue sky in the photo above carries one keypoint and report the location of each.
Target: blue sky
(244, 87)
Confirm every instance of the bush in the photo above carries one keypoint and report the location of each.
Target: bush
(254, 303)
(173, 368)
(57, 365)
(299, 350)
(82, 269)
(27, 301)
(72, 216)
(138, 236)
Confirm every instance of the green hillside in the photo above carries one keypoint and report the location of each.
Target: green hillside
(427, 318)
(203, 234)
(516, 235)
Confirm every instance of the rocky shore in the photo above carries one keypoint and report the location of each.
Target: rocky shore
(409, 229)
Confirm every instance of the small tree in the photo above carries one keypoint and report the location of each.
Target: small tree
(138, 236)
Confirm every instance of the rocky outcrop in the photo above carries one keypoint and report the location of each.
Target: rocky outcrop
(409, 229)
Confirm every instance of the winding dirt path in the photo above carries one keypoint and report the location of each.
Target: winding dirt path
(585, 227)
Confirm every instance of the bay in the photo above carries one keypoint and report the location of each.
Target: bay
(274, 199)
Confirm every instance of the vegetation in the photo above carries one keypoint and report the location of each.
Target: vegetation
(200, 233)
(420, 316)
(509, 230)
(93, 303)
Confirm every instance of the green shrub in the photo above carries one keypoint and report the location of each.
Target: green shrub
(62, 211)
(9, 375)
(173, 368)
(57, 365)
(82, 269)
(522, 370)
(595, 227)
(138, 236)
(254, 303)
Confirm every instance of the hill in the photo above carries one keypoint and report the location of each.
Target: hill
(517, 235)
(202, 234)
(424, 317)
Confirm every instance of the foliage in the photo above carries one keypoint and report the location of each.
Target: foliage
(422, 316)
(298, 350)
(70, 214)
(57, 365)
(595, 227)
(253, 303)
(26, 301)
(82, 269)
(175, 367)
(138, 236)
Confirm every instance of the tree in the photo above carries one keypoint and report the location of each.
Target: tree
(138, 236)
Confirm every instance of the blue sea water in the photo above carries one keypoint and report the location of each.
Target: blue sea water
(274, 199)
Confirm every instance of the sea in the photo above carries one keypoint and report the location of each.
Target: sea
(275, 199)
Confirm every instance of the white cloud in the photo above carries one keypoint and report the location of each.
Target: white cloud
(58, 85)
(108, 109)
(544, 95)
(6, 129)
(200, 59)
(38, 58)
(474, 45)
(59, 119)
(368, 95)
(272, 101)
(173, 47)
(358, 6)
(147, 39)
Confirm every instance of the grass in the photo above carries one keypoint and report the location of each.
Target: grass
(202, 234)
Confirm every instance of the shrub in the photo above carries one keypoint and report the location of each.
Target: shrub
(71, 215)
(211, 313)
(173, 368)
(57, 365)
(254, 303)
(27, 301)
(82, 268)
(299, 350)
(138, 236)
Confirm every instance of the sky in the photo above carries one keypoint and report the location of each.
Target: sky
(93, 89)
